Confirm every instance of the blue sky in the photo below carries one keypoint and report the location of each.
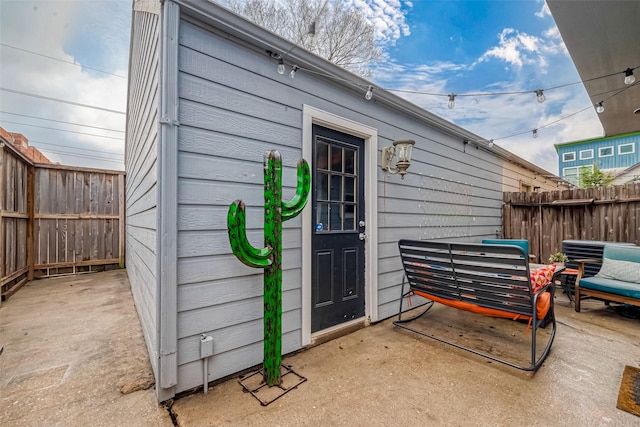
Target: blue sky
(440, 47)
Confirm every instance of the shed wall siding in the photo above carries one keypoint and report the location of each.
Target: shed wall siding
(142, 175)
(233, 106)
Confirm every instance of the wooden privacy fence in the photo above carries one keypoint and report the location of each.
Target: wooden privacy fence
(57, 219)
(609, 214)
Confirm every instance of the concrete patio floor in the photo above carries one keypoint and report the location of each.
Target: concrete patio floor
(72, 345)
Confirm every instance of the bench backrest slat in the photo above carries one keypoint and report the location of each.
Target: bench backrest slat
(492, 276)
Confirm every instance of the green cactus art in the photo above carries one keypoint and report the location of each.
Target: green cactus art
(270, 256)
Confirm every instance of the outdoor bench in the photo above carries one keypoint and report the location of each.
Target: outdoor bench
(617, 280)
(494, 280)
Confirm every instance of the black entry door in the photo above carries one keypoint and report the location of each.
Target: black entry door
(338, 237)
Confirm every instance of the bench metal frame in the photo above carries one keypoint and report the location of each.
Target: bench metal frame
(490, 276)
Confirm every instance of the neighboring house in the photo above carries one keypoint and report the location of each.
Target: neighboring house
(21, 142)
(205, 102)
(628, 176)
(611, 154)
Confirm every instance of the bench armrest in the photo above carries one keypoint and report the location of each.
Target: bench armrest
(581, 264)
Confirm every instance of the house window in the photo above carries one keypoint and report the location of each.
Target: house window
(586, 154)
(569, 157)
(626, 149)
(571, 175)
(605, 152)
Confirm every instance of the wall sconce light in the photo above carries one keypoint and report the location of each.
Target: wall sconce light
(401, 150)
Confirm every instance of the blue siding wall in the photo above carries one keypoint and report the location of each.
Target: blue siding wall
(142, 175)
(233, 107)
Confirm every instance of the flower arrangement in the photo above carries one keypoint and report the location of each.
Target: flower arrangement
(558, 257)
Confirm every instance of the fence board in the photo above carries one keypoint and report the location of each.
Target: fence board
(609, 214)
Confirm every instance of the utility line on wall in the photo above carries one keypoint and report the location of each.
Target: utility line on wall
(61, 60)
(61, 121)
(64, 130)
(62, 100)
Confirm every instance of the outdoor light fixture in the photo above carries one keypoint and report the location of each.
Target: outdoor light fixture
(369, 93)
(313, 39)
(600, 107)
(540, 95)
(401, 150)
(293, 71)
(281, 66)
(491, 143)
(535, 133)
(628, 76)
(452, 100)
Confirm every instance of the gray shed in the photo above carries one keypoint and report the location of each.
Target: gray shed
(205, 102)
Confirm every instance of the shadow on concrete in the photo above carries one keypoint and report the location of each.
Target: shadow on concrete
(73, 344)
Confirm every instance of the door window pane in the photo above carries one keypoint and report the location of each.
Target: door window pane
(349, 161)
(322, 155)
(336, 188)
(336, 159)
(336, 217)
(322, 217)
(322, 186)
(349, 189)
(349, 216)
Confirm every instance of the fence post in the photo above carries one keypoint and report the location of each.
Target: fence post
(121, 221)
(2, 195)
(31, 222)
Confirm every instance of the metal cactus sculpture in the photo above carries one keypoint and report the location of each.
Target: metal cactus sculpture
(270, 256)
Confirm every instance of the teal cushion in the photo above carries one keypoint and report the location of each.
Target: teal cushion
(611, 286)
(524, 244)
(622, 252)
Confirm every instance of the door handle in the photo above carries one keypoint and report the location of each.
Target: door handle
(361, 223)
(362, 236)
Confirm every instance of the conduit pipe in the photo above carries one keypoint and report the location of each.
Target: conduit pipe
(206, 351)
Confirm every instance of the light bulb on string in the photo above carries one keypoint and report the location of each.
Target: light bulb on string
(540, 95)
(281, 68)
(369, 93)
(535, 133)
(293, 71)
(600, 107)
(452, 100)
(313, 38)
(628, 77)
(491, 143)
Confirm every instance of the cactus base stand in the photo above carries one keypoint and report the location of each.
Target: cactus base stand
(253, 383)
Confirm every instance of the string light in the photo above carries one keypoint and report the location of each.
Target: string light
(281, 66)
(313, 38)
(628, 76)
(451, 104)
(452, 100)
(369, 93)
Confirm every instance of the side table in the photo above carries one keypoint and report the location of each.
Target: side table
(568, 281)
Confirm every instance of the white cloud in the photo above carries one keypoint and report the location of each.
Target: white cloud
(387, 16)
(51, 31)
(514, 48)
(544, 11)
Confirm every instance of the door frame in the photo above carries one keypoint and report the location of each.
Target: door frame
(311, 116)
